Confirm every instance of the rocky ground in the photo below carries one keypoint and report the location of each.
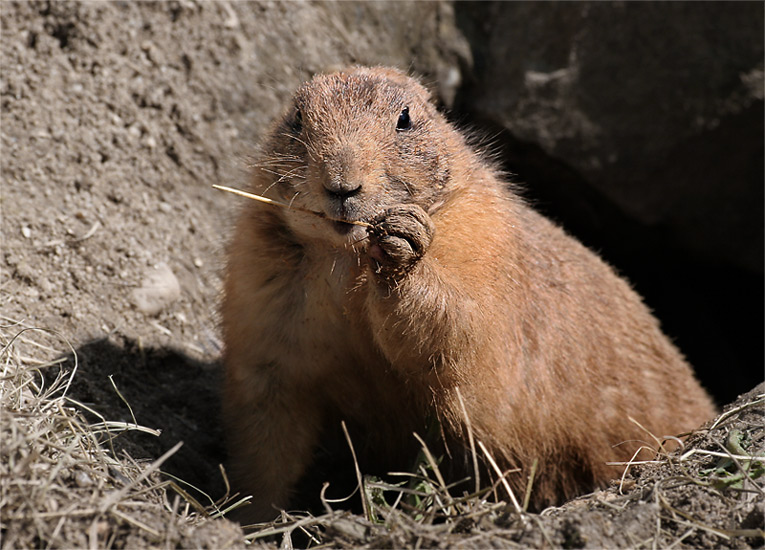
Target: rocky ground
(116, 118)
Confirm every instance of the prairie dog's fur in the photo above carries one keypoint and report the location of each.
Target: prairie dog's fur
(457, 289)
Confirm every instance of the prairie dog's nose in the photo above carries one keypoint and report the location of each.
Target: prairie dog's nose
(342, 187)
(343, 178)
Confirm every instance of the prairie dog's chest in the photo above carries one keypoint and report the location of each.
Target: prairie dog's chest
(324, 322)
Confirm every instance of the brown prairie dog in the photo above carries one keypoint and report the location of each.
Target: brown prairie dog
(458, 293)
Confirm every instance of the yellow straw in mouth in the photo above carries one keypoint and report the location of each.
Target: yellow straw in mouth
(266, 200)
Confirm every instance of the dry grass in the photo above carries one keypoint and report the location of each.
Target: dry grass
(693, 498)
(62, 485)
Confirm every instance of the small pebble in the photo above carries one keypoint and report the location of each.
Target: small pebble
(159, 289)
(26, 231)
(82, 479)
(24, 271)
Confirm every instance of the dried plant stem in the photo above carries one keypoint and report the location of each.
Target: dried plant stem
(502, 477)
(272, 202)
(364, 504)
(471, 440)
(117, 495)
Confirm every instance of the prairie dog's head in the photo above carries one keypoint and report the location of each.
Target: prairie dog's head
(352, 144)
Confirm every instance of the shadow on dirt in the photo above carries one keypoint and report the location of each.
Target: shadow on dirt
(167, 391)
(180, 396)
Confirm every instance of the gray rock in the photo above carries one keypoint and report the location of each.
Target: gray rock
(658, 106)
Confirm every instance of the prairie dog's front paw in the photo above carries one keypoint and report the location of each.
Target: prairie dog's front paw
(398, 238)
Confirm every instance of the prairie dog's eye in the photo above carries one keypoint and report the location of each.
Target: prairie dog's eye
(296, 124)
(404, 122)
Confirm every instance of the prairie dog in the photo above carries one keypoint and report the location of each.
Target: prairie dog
(458, 300)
